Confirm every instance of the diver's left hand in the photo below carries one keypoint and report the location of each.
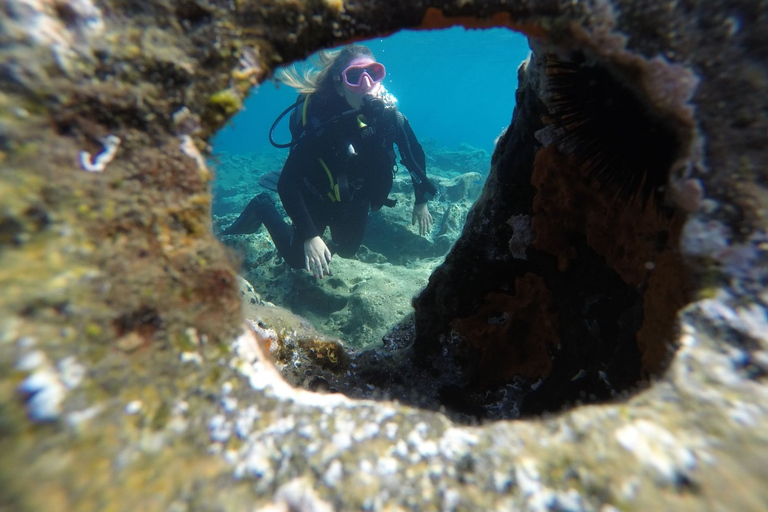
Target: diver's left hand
(423, 217)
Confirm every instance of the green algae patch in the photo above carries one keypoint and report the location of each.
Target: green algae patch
(50, 277)
(142, 428)
(227, 101)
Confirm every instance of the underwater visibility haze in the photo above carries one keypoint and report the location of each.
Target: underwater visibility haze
(455, 87)
(453, 84)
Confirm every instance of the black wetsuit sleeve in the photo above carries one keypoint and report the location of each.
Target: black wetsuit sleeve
(290, 188)
(416, 158)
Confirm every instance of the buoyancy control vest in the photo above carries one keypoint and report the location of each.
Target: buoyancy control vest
(389, 126)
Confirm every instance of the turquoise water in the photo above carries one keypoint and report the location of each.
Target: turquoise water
(456, 86)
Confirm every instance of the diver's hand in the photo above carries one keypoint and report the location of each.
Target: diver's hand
(423, 217)
(317, 257)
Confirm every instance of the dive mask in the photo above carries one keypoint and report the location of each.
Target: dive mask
(362, 78)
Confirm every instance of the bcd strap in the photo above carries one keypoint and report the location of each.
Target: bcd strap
(339, 190)
(334, 193)
(304, 110)
(342, 186)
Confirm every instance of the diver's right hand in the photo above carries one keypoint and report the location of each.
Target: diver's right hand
(317, 257)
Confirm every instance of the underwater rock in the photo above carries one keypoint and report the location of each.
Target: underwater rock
(608, 264)
(131, 380)
(359, 302)
(390, 236)
(462, 160)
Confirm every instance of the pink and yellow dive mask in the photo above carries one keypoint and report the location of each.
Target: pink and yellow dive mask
(362, 78)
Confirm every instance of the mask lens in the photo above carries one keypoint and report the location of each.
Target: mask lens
(353, 75)
(375, 71)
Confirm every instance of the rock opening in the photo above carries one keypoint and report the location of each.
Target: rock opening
(564, 285)
(128, 380)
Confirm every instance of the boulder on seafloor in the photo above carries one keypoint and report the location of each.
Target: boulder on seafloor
(129, 379)
(460, 160)
(358, 303)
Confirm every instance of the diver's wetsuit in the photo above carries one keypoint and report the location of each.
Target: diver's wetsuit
(333, 176)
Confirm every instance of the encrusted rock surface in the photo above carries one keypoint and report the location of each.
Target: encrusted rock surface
(130, 380)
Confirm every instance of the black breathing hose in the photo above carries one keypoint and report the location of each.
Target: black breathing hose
(274, 125)
(369, 107)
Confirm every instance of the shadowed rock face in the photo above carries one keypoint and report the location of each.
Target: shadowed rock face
(130, 380)
(579, 276)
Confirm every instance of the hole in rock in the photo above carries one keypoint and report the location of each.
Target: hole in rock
(562, 289)
(456, 100)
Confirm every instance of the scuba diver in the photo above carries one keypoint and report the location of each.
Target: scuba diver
(341, 162)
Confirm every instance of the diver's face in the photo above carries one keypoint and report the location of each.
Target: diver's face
(364, 86)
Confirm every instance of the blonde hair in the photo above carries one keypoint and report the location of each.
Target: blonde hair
(306, 81)
(319, 76)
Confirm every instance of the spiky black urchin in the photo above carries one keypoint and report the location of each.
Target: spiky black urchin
(615, 136)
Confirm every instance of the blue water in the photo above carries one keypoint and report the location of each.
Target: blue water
(454, 85)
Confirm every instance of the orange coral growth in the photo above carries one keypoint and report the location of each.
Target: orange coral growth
(636, 242)
(329, 354)
(624, 233)
(435, 19)
(514, 333)
(666, 293)
(263, 341)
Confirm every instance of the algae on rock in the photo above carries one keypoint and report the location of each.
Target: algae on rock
(122, 325)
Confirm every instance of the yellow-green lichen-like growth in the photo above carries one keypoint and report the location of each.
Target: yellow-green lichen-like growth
(227, 102)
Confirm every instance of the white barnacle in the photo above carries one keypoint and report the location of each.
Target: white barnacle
(656, 448)
(45, 392)
(191, 357)
(229, 403)
(185, 122)
(100, 161)
(78, 419)
(71, 373)
(220, 429)
(46, 386)
(334, 473)
(188, 148)
(31, 361)
(133, 407)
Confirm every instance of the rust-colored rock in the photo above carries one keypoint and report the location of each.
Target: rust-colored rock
(514, 333)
